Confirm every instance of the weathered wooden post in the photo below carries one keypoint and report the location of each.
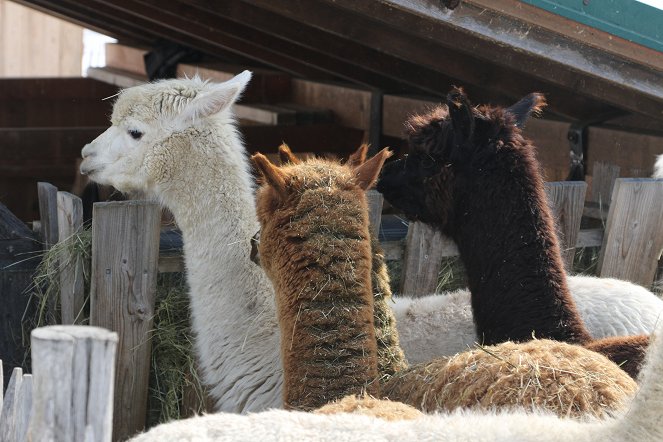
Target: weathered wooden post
(70, 222)
(375, 201)
(9, 407)
(48, 212)
(567, 200)
(73, 369)
(633, 237)
(125, 252)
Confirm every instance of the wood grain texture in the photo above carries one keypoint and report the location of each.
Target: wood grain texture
(424, 249)
(125, 250)
(48, 213)
(24, 409)
(73, 369)
(567, 199)
(375, 201)
(10, 405)
(633, 240)
(70, 221)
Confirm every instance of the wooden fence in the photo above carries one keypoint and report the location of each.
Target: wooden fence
(69, 396)
(126, 260)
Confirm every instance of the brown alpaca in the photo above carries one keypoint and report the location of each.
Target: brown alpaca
(471, 174)
(390, 354)
(315, 248)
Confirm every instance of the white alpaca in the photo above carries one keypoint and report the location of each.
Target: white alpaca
(640, 423)
(658, 167)
(176, 141)
(439, 325)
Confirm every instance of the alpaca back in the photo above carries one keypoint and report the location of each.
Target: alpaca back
(315, 247)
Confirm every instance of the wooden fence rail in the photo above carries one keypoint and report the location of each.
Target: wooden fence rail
(70, 397)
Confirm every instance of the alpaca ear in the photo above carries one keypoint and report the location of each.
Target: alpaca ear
(358, 157)
(368, 173)
(216, 99)
(531, 104)
(272, 174)
(460, 113)
(286, 156)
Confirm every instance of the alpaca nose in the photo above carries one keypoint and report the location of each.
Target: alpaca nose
(87, 151)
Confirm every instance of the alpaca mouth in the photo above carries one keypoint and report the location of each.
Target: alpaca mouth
(88, 170)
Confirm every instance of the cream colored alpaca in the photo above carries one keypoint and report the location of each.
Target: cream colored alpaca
(639, 423)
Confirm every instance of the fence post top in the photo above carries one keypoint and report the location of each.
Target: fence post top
(73, 332)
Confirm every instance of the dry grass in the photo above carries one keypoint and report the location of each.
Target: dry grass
(567, 380)
(172, 375)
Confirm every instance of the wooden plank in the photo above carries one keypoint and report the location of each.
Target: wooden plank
(266, 86)
(73, 368)
(116, 77)
(24, 410)
(125, 250)
(35, 44)
(634, 234)
(70, 222)
(604, 176)
(48, 213)
(318, 138)
(567, 200)
(126, 58)
(351, 106)
(375, 201)
(10, 406)
(266, 114)
(633, 152)
(424, 249)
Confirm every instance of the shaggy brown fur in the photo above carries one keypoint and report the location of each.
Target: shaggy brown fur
(316, 250)
(390, 355)
(369, 406)
(565, 379)
(471, 174)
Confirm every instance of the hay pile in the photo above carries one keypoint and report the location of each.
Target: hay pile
(567, 380)
(175, 389)
(369, 406)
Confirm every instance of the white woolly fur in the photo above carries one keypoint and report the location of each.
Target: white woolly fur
(189, 156)
(440, 325)
(640, 423)
(658, 167)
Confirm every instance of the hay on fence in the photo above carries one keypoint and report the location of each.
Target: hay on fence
(172, 369)
(567, 380)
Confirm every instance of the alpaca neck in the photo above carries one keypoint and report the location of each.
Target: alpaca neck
(232, 305)
(325, 302)
(512, 257)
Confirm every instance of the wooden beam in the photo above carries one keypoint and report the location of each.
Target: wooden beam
(634, 235)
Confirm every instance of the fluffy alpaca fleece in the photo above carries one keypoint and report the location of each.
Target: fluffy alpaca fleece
(639, 423)
(471, 174)
(566, 379)
(442, 325)
(658, 167)
(315, 248)
(176, 141)
(313, 218)
(390, 354)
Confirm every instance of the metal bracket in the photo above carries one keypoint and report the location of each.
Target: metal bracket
(577, 136)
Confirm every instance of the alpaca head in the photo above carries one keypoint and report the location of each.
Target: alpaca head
(297, 185)
(442, 143)
(152, 129)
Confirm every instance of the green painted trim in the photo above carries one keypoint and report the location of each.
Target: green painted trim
(629, 19)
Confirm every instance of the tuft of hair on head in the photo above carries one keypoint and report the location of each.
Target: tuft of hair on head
(272, 174)
(531, 104)
(286, 156)
(358, 157)
(367, 173)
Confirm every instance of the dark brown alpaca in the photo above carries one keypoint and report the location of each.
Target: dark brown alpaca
(315, 247)
(471, 174)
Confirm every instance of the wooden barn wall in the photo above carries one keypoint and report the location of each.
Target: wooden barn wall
(34, 44)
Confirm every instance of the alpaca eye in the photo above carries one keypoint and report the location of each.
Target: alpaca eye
(135, 134)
